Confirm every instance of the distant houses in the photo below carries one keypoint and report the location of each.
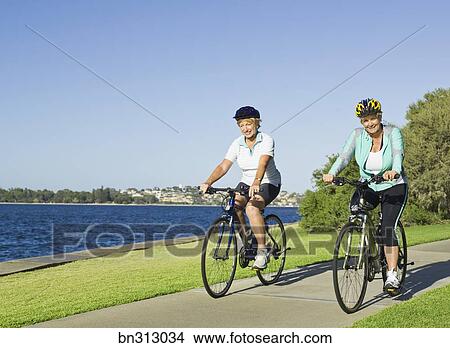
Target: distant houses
(169, 195)
(189, 195)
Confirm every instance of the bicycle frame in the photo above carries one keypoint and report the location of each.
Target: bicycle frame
(229, 214)
(218, 275)
(362, 218)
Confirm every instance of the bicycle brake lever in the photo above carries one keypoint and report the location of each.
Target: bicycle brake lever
(338, 181)
(210, 190)
(378, 179)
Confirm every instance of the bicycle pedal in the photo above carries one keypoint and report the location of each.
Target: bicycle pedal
(393, 292)
(411, 263)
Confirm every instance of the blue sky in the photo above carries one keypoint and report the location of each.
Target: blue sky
(193, 63)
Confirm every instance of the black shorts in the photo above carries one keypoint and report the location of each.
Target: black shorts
(267, 191)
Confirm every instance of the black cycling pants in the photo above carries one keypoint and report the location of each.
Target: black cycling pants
(393, 201)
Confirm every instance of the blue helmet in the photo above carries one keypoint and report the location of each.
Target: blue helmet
(246, 112)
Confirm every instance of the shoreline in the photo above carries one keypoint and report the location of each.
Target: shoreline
(13, 266)
(133, 204)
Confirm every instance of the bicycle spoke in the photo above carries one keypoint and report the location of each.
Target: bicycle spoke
(350, 268)
(219, 259)
(276, 246)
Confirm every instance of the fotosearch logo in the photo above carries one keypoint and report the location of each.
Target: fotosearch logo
(180, 240)
(116, 239)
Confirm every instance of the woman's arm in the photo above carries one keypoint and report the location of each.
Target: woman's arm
(397, 155)
(344, 157)
(262, 166)
(397, 150)
(217, 173)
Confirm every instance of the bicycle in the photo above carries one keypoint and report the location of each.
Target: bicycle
(220, 252)
(357, 255)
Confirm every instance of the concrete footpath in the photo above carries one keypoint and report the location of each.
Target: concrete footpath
(304, 297)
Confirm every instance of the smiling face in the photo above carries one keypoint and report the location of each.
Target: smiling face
(248, 127)
(372, 123)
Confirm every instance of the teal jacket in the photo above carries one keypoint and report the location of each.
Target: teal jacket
(359, 144)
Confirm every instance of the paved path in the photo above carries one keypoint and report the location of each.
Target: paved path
(303, 298)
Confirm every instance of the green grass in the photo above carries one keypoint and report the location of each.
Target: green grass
(431, 309)
(81, 286)
(424, 234)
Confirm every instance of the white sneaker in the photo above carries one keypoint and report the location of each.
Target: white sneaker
(392, 283)
(260, 260)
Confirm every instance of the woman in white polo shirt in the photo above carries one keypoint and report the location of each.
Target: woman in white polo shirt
(254, 153)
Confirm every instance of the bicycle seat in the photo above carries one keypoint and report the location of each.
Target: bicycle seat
(368, 200)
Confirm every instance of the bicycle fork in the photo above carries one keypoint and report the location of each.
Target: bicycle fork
(367, 240)
(219, 242)
(364, 240)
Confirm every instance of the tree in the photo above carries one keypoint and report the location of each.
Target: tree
(150, 199)
(102, 195)
(427, 152)
(123, 198)
(85, 197)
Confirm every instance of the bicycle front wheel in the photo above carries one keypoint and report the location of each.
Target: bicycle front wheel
(350, 268)
(219, 256)
(276, 250)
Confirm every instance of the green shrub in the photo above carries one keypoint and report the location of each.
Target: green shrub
(415, 215)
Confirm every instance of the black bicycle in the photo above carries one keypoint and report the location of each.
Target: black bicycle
(357, 256)
(220, 253)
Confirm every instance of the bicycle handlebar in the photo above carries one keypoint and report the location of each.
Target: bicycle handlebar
(212, 190)
(340, 181)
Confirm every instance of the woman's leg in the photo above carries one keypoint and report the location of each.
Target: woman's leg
(391, 253)
(240, 203)
(393, 201)
(253, 210)
(255, 206)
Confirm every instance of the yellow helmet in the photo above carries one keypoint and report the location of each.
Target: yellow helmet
(367, 106)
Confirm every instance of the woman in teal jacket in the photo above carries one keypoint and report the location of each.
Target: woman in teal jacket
(378, 149)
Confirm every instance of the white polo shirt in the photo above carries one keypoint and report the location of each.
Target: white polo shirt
(248, 159)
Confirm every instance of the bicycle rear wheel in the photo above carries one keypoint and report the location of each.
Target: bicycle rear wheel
(350, 268)
(219, 257)
(402, 257)
(276, 248)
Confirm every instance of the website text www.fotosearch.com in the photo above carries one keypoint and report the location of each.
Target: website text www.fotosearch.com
(233, 338)
(227, 338)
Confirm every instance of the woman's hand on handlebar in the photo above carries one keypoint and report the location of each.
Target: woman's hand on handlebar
(328, 178)
(390, 175)
(204, 187)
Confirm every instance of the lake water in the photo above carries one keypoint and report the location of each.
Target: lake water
(28, 230)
